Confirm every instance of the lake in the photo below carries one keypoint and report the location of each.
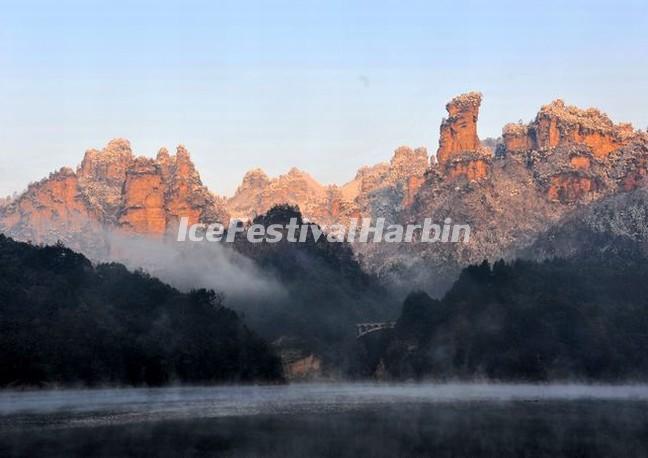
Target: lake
(329, 420)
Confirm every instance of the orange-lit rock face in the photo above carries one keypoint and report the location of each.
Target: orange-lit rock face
(50, 210)
(558, 124)
(569, 188)
(108, 165)
(185, 194)
(472, 170)
(516, 137)
(143, 209)
(459, 130)
(157, 193)
(550, 135)
(112, 190)
(58, 203)
(102, 174)
(600, 144)
(258, 193)
(329, 204)
(580, 162)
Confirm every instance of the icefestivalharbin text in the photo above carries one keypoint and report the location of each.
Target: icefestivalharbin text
(364, 230)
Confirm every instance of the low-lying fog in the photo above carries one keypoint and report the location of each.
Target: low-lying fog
(252, 400)
(340, 420)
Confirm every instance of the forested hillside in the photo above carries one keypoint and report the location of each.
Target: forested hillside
(577, 319)
(64, 321)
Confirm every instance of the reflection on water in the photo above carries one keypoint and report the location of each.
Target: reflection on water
(329, 420)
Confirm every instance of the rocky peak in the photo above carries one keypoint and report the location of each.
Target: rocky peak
(50, 210)
(258, 193)
(182, 153)
(184, 166)
(558, 124)
(294, 171)
(407, 162)
(143, 203)
(5, 201)
(112, 189)
(299, 179)
(163, 157)
(102, 174)
(107, 165)
(459, 131)
(119, 146)
(590, 118)
(254, 179)
(565, 158)
(517, 137)
(164, 160)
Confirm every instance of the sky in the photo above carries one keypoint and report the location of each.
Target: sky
(325, 86)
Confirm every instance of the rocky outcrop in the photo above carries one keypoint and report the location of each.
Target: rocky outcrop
(471, 168)
(459, 130)
(51, 210)
(461, 153)
(112, 190)
(258, 193)
(564, 160)
(558, 124)
(143, 204)
(570, 187)
(397, 181)
(101, 177)
(517, 137)
(186, 196)
(508, 190)
(406, 163)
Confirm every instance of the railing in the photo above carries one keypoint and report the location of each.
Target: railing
(363, 329)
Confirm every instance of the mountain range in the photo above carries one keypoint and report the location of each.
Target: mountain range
(514, 192)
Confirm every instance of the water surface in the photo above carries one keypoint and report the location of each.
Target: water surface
(329, 420)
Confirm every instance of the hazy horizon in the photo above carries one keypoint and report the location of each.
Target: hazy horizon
(325, 87)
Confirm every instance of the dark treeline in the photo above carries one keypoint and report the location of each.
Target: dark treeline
(577, 319)
(327, 291)
(64, 321)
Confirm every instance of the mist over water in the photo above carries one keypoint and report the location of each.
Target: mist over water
(329, 420)
(254, 400)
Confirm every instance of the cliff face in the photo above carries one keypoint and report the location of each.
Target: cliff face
(558, 124)
(460, 152)
(51, 210)
(459, 130)
(391, 184)
(566, 159)
(258, 193)
(112, 190)
(101, 177)
(509, 192)
(143, 205)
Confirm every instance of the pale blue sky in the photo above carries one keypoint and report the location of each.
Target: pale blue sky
(325, 86)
